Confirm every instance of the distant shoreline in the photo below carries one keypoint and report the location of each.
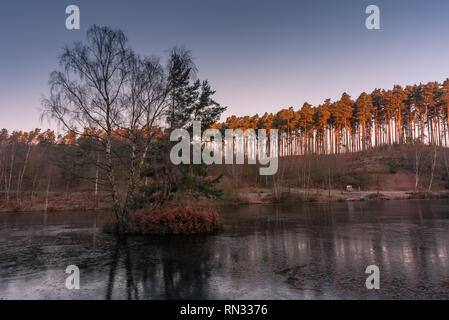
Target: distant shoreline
(295, 195)
(81, 201)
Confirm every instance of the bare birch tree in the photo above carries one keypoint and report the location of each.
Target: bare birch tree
(106, 88)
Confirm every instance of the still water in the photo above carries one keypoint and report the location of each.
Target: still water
(303, 251)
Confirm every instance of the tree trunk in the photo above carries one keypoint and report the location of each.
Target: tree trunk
(22, 174)
(416, 168)
(47, 193)
(433, 168)
(11, 168)
(111, 176)
(96, 180)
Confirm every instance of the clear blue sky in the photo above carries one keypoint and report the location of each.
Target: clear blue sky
(260, 55)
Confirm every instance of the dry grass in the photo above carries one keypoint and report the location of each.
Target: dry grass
(57, 201)
(179, 218)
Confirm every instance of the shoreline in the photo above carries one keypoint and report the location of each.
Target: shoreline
(295, 195)
(245, 197)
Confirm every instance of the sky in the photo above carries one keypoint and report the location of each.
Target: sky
(259, 55)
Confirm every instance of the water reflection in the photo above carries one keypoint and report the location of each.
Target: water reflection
(160, 270)
(264, 252)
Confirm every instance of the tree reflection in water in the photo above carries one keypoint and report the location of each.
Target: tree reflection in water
(297, 251)
(159, 273)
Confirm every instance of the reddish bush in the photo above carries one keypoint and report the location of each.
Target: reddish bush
(175, 219)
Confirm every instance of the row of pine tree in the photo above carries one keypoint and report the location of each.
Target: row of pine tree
(416, 113)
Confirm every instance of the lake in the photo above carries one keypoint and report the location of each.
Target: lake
(300, 251)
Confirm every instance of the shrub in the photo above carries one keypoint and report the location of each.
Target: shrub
(177, 218)
(446, 180)
(392, 165)
(231, 188)
(15, 207)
